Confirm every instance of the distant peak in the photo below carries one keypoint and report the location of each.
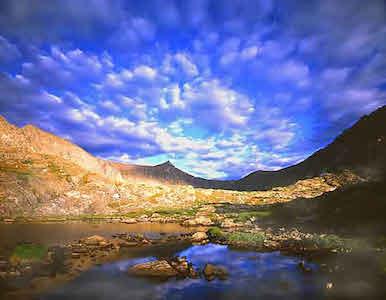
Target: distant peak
(167, 164)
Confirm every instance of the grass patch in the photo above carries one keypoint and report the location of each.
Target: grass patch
(215, 233)
(247, 215)
(247, 238)
(176, 211)
(29, 252)
(328, 241)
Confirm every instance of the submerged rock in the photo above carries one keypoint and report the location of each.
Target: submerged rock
(305, 269)
(211, 272)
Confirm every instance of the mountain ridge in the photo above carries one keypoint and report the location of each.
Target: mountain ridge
(360, 148)
(366, 158)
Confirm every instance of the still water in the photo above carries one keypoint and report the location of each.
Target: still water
(252, 275)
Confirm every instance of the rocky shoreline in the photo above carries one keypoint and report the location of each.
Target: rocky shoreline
(64, 262)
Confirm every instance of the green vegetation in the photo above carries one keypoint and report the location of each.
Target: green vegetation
(247, 215)
(27, 161)
(176, 211)
(23, 176)
(328, 241)
(382, 262)
(247, 238)
(215, 233)
(29, 252)
(255, 239)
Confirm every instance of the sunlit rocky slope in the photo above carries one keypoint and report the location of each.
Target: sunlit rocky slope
(42, 174)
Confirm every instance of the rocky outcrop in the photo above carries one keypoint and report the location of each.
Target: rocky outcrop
(158, 268)
(177, 267)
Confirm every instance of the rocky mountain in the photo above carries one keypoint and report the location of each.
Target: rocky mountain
(44, 175)
(34, 140)
(165, 173)
(361, 149)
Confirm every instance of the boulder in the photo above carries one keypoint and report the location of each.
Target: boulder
(199, 237)
(158, 268)
(94, 240)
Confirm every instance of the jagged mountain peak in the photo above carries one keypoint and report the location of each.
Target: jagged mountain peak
(167, 163)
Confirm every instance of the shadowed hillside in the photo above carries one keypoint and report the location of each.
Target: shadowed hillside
(361, 149)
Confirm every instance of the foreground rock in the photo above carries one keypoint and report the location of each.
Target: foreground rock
(178, 267)
(95, 240)
(158, 268)
(200, 237)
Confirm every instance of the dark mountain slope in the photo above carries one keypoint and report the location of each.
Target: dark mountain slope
(167, 173)
(361, 148)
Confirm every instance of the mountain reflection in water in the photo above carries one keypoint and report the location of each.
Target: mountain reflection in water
(252, 276)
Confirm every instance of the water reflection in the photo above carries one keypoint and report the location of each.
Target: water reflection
(252, 276)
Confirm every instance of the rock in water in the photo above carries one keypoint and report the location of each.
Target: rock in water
(211, 272)
(199, 236)
(159, 268)
(94, 240)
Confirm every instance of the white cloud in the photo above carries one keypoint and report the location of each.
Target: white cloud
(216, 105)
(186, 64)
(145, 72)
(249, 52)
(291, 71)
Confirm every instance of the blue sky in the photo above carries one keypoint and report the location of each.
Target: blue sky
(220, 88)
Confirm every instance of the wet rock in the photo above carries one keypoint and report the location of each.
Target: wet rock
(94, 240)
(159, 268)
(3, 265)
(127, 244)
(199, 237)
(9, 220)
(75, 255)
(211, 272)
(79, 249)
(181, 265)
(302, 266)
